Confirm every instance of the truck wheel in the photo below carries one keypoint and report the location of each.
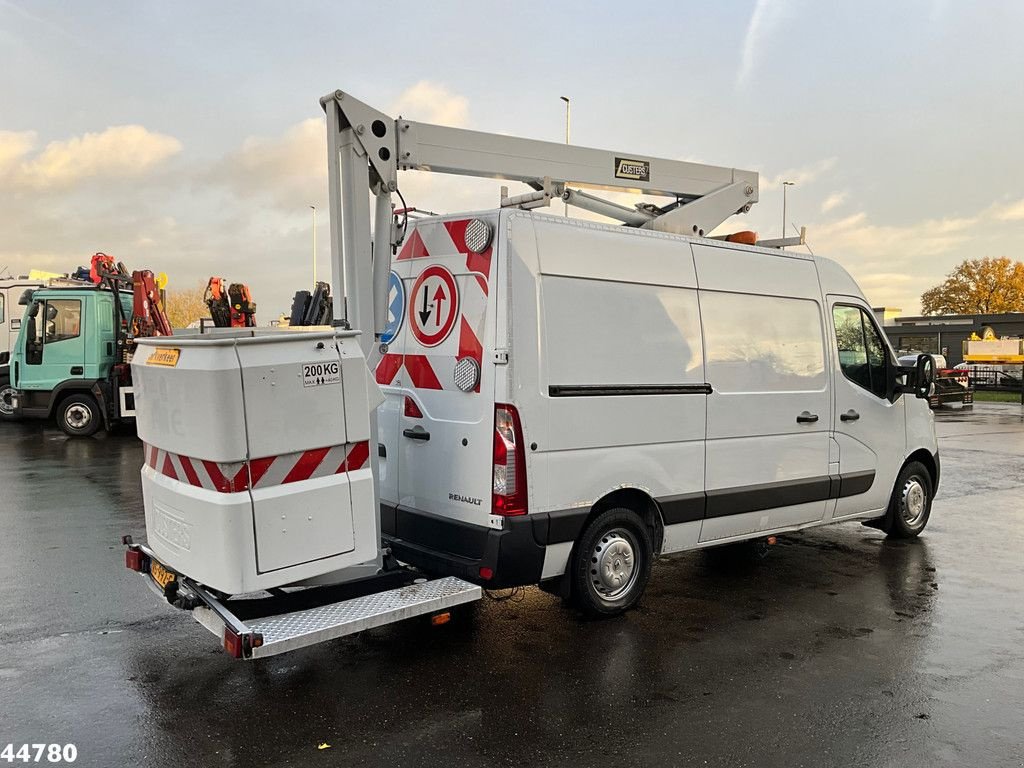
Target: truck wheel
(6, 397)
(79, 416)
(911, 502)
(611, 563)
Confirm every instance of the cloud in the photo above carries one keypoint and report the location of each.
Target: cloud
(799, 176)
(429, 102)
(14, 146)
(833, 201)
(289, 170)
(763, 22)
(1008, 212)
(121, 151)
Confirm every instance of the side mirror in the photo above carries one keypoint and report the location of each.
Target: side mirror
(925, 376)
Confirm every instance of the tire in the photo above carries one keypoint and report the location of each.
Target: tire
(6, 390)
(79, 415)
(911, 502)
(611, 563)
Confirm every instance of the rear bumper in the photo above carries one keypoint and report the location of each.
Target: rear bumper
(514, 554)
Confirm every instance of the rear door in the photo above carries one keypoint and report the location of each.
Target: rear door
(769, 410)
(438, 374)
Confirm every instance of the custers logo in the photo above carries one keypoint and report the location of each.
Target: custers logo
(637, 170)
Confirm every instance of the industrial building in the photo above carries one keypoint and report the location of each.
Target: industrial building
(943, 334)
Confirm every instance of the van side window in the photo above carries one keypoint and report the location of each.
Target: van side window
(63, 320)
(762, 343)
(861, 350)
(2, 316)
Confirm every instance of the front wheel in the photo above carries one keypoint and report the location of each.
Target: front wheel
(911, 502)
(611, 563)
(6, 397)
(79, 416)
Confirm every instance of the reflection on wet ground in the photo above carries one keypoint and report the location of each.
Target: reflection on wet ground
(839, 648)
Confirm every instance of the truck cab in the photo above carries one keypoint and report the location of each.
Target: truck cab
(64, 362)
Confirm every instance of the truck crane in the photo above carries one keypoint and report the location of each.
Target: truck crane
(72, 358)
(231, 306)
(274, 466)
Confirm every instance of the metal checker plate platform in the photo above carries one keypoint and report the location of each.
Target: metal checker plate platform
(315, 625)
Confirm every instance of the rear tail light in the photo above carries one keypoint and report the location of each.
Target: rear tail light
(411, 409)
(509, 489)
(240, 646)
(232, 642)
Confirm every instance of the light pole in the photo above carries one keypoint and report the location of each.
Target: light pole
(784, 185)
(314, 246)
(566, 100)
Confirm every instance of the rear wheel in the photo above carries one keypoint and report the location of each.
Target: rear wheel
(911, 502)
(79, 415)
(6, 397)
(611, 563)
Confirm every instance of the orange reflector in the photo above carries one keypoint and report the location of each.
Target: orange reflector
(771, 539)
(744, 238)
(440, 618)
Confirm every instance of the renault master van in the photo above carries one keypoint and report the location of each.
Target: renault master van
(565, 400)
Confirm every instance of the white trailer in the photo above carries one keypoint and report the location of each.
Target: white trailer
(552, 410)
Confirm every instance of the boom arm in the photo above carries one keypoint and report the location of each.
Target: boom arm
(367, 148)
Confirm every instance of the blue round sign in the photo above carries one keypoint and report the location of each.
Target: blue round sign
(396, 308)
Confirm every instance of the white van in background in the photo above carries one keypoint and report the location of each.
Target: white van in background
(566, 399)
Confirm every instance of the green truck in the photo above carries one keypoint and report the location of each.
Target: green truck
(71, 360)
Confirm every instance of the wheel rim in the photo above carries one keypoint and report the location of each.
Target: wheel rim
(613, 566)
(6, 395)
(78, 416)
(915, 502)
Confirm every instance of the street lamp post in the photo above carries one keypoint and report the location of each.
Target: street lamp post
(784, 185)
(314, 246)
(566, 100)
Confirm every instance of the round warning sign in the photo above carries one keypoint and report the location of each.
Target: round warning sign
(433, 305)
(396, 308)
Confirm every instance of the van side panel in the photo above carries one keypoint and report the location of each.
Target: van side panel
(770, 410)
(619, 372)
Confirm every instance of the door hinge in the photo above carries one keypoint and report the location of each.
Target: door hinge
(501, 357)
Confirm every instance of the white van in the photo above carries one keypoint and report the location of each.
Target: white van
(566, 399)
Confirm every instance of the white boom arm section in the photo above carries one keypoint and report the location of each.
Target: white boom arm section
(367, 148)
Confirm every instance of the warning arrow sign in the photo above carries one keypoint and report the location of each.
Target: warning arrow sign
(433, 305)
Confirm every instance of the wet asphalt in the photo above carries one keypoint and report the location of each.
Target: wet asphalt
(839, 648)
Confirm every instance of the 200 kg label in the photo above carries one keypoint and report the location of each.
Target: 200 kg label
(39, 753)
(317, 374)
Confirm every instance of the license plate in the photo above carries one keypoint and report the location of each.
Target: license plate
(164, 356)
(161, 575)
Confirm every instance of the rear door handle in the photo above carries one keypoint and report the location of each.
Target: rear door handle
(416, 433)
(806, 418)
(850, 415)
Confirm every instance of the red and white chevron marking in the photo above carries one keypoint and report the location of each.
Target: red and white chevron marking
(435, 371)
(259, 473)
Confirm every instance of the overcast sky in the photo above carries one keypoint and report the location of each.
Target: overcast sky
(188, 138)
